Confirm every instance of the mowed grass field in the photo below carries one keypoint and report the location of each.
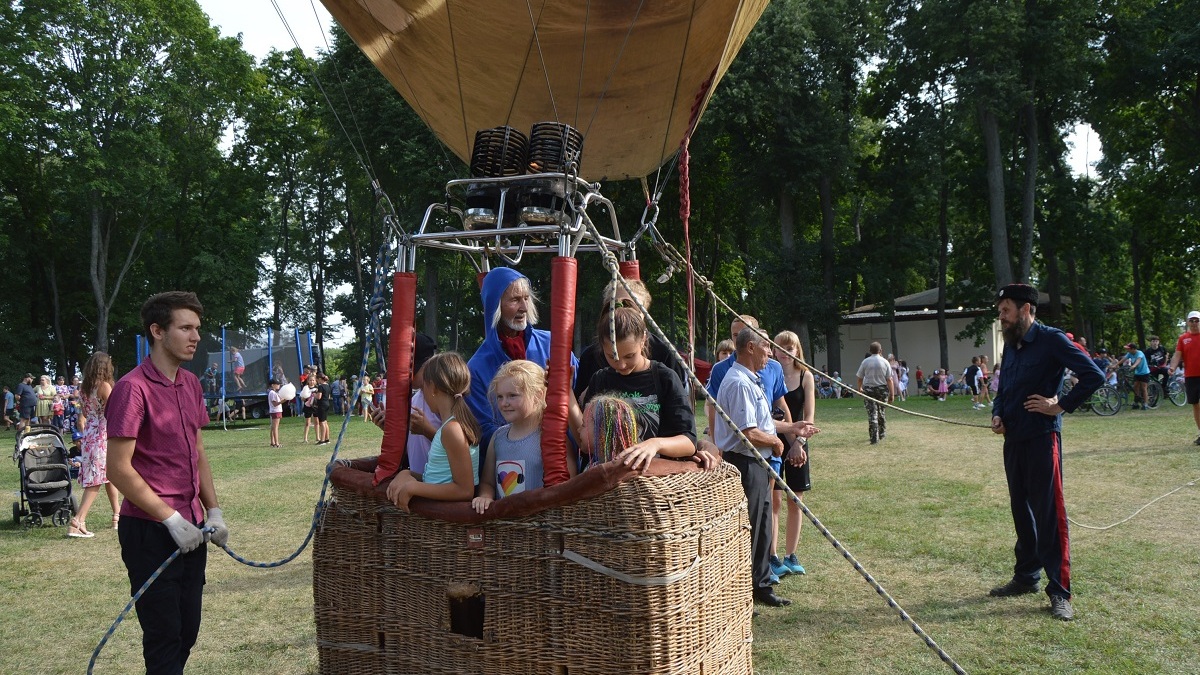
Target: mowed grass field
(926, 512)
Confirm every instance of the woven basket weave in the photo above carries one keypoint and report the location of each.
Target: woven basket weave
(650, 577)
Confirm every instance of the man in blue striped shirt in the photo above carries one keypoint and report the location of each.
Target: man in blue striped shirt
(1028, 413)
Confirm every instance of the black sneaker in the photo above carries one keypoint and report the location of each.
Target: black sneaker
(1060, 608)
(1013, 587)
(1197, 441)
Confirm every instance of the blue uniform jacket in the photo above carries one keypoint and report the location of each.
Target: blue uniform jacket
(490, 355)
(1037, 368)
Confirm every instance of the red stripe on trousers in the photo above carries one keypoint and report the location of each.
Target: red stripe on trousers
(1060, 506)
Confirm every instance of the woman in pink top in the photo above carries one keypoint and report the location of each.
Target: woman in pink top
(97, 385)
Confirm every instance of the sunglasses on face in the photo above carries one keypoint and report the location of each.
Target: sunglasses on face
(1193, 320)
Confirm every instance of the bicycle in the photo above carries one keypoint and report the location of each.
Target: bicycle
(1176, 391)
(1105, 401)
(1125, 389)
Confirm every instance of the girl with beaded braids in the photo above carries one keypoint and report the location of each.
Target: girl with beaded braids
(609, 427)
(452, 471)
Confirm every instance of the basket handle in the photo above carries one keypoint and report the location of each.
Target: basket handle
(628, 578)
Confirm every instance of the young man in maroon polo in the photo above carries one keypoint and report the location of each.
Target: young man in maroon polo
(156, 459)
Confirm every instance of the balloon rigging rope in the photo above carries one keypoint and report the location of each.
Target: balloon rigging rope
(533, 24)
(317, 80)
(610, 262)
(673, 256)
(587, 15)
(342, 86)
(612, 71)
(383, 263)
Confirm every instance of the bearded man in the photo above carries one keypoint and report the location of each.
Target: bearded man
(509, 315)
(1028, 413)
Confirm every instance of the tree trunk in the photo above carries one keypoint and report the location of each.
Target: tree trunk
(99, 272)
(57, 319)
(787, 220)
(833, 342)
(282, 262)
(1028, 194)
(1001, 261)
(1135, 257)
(943, 264)
(1053, 284)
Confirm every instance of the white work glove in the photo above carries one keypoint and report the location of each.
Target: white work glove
(220, 533)
(186, 535)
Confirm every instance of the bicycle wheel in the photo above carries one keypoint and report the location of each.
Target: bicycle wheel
(1177, 393)
(1154, 394)
(1106, 401)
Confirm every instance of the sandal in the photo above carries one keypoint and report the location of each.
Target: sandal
(74, 529)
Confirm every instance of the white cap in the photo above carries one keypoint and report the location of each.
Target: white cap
(1193, 314)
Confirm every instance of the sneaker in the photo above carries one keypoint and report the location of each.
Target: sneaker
(1060, 608)
(1197, 441)
(1013, 587)
(793, 564)
(766, 596)
(773, 580)
(778, 568)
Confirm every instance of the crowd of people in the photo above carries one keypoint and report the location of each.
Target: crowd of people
(475, 430)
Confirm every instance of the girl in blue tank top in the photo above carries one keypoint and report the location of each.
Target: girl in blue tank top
(452, 472)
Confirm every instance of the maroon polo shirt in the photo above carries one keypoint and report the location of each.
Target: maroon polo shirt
(165, 418)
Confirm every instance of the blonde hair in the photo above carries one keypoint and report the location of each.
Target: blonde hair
(448, 373)
(788, 340)
(637, 289)
(614, 426)
(528, 377)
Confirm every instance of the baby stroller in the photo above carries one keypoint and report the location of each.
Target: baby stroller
(44, 467)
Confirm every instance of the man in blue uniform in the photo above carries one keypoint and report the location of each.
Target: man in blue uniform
(1028, 413)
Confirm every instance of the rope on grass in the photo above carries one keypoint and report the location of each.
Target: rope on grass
(610, 261)
(383, 262)
(1190, 483)
(673, 257)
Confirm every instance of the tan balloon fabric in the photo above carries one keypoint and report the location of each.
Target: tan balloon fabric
(626, 73)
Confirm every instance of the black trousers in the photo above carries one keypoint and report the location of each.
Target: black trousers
(756, 482)
(169, 611)
(1035, 490)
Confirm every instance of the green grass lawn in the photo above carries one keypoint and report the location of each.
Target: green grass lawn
(926, 512)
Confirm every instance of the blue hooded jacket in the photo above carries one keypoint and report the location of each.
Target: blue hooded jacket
(490, 355)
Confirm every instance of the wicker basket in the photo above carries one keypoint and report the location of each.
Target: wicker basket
(652, 576)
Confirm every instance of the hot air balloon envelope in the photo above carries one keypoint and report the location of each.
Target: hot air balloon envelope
(632, 75)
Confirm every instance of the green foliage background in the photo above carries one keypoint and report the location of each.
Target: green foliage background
(840, 163)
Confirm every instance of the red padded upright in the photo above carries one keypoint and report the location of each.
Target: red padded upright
(399, 375)
(563, 277)
(631, 269)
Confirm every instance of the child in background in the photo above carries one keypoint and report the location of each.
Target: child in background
(275, 410)
(239, 366)
(452, 471)
(366, 396)
(513, 462)
(609, 427)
